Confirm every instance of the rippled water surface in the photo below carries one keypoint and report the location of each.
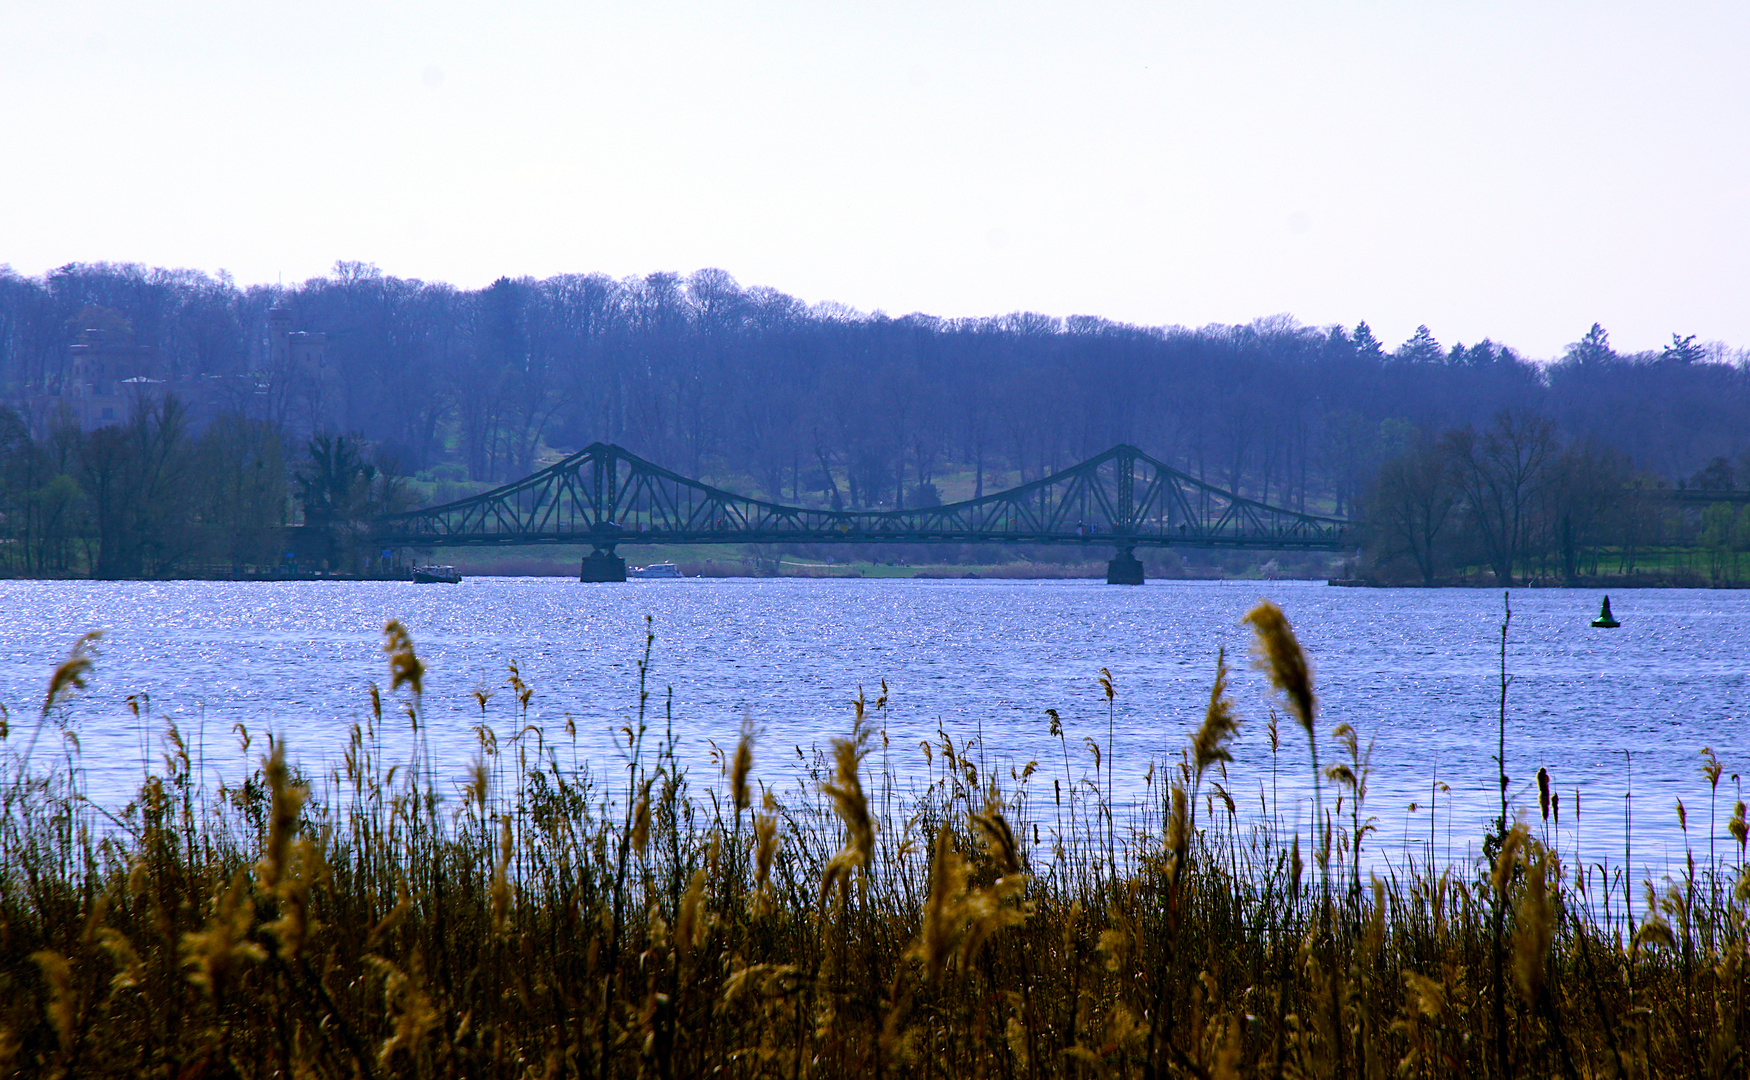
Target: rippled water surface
(1416, 671)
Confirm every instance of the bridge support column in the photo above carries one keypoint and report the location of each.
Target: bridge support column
(602, 565)
(1124, 569)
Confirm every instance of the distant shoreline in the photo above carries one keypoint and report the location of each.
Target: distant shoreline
(1632, 581)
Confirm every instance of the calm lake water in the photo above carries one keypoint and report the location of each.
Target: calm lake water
(1414, 670)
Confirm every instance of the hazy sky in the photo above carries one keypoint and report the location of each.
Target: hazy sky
(1517, 170)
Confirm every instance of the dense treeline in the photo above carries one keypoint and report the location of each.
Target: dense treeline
(751, 388)
(153, 497)
(1513, 501)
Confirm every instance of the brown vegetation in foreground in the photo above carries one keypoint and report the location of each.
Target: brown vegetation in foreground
(549, 923)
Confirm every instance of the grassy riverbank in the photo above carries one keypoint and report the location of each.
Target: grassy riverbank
(893, 910)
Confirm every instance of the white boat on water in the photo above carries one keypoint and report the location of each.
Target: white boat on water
(655, 570)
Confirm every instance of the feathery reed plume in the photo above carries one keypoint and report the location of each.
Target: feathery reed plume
(212, 954)
(984, 912)
(479, 779)
(1209, 745)
(70, 675)
(1543, 792)
(941, 906)
(277, 871)
(1278, 654)
(846, 792)
(1280, 657)
(1654, 932)
(404, 667)
(1502, 872)
(130, 969)
(500, 888)
(999, 839)
(1738, 827)
(1111, 690)
(988, 910)
(521, 689)
(641, 821)
(63, 1006)
(409, 1007)
(741, 766)
(293, 891)
(288, 803)
(1343, 775)
(1535, 923)
(692, 922)
(1179, 832)
(765, 831)
(1712, 767)
(1373, 939)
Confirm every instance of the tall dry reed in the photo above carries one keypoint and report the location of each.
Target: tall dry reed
(949, 920)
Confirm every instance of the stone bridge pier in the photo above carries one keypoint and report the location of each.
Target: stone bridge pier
(602, 564)
(1125, 568)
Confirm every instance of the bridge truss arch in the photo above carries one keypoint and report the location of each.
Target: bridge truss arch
(604, 495)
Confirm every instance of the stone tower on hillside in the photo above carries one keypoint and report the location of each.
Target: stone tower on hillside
(298, 372)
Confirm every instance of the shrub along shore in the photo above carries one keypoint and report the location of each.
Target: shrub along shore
(542, 920)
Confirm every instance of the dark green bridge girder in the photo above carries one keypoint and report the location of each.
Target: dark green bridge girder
(604, 495)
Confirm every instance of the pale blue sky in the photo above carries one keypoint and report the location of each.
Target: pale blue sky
(1517, 170)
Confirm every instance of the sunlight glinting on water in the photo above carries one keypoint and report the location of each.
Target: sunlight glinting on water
(1416, 672)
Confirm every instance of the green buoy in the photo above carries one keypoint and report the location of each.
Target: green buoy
(1605, 619)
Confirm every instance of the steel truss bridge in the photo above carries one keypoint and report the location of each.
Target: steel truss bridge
(604, 495)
